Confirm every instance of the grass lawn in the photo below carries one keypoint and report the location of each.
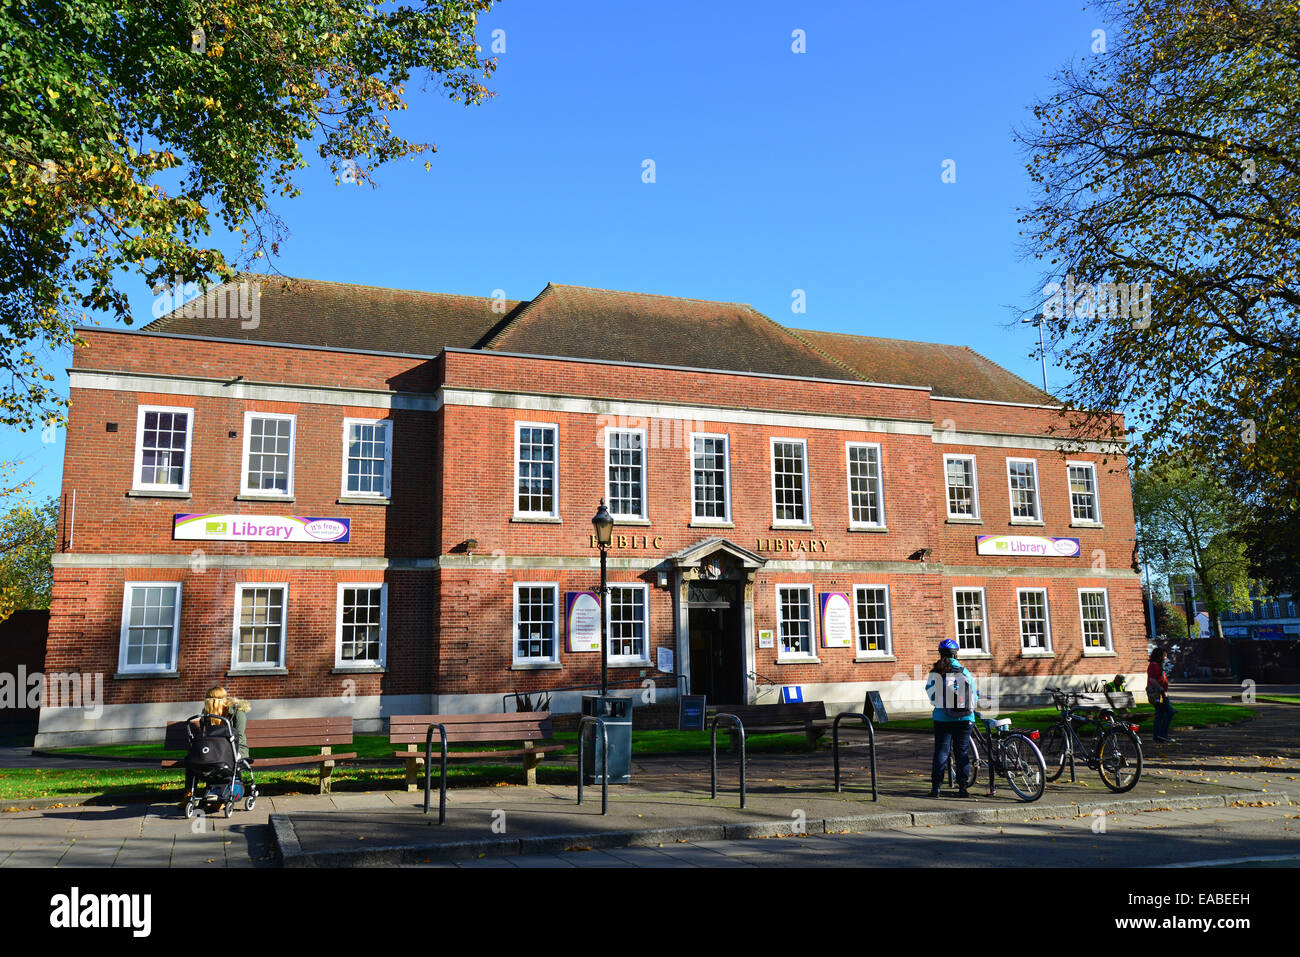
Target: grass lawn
(1279, 698)
(1191, 715)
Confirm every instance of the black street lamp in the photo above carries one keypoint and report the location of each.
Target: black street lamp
(603, 523)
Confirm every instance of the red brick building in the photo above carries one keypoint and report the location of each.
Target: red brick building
(366, 501)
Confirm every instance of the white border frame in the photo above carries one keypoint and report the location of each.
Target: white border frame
(859, 651)
(382, 662)
(1096, 493)
(136, 484)
(812, 623)
(559, 634)
(243, 458)
(987, 645)
(1083, 637)
(629, 661)
(1038, 492)
(122, 666)
(555, 472)
(344, 492)
(806, 521)
(880, 482)
(240, 588)
(975, 485)
(726, 477)
(1047, 622)
(644, 514)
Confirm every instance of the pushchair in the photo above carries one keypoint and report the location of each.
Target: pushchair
(212, 760)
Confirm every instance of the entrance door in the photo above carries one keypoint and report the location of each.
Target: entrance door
(717, 658)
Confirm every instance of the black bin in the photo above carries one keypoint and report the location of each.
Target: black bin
(617, 713)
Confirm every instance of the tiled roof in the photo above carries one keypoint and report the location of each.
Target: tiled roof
(957, 372)
(318, 313)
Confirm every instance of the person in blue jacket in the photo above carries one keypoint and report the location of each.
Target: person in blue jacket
(954, 715)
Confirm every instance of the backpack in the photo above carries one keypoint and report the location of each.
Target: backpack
(958, 695)
(210, 749)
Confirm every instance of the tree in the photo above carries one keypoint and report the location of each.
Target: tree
(128, 130)
(1168, 208)
(28, 536)
(1189, 521)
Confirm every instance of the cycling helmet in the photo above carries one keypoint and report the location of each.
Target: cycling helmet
(948, 648)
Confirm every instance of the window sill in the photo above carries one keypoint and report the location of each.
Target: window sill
(1086, 525)
(798, 661)
(536, 666)
(635, 663)
(959, 520)
(705, 523)
(1099, 653)
(359, 670)
(791, 528)
(129, 675)
(358, 500)
(1037, 654)
(537, 519)
(156, 493)
(868, 528)
(1028, 521)
(868, 659)
(974, 656)
(288, 499)
(255, 672)
(630, 521)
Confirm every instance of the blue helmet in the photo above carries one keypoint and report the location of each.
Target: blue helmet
(948, 644)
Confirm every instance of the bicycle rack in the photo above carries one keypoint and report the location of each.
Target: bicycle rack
(592, 721)
(428, 771)
(713, 755)
(835, 747)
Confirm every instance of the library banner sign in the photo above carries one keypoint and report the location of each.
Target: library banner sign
(260, 528)
(1039, 546)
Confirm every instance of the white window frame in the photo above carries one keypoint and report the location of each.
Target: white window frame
(986, 642)
(381, 662)
(643, 514)
(240, 588)
(1083, 628)
(806, 521)
(630, 660)
(812, 621)
(1011, 493)
(880, 481)
(122, 666)
(1096, 493)
(975, 487)
(888, 651)
(556, 635)
(243, 460)
(140, 486)
(344, 492)
(1047, 622)
(725, 519)
(555, 472)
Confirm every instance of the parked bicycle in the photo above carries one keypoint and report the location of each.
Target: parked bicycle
(1011, 753)
(1115, 751)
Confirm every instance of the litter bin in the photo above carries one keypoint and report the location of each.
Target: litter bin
(617, 713)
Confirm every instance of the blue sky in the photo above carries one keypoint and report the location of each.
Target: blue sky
(774, 170)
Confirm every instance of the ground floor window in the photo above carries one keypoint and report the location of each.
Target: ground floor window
(362, 624)
(534, 623)
(1035, 632)
(151, 614)
(627, 622)
(259, 625)
(795, 620)
(1096, 619)
(971, 621)
(873, 619)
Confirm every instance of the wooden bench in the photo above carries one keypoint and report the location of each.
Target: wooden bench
(806, 716)
(523, 728)
(323, 734)
(1119, 703)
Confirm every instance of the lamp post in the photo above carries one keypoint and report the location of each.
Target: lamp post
(603, 524)
(1042, 348)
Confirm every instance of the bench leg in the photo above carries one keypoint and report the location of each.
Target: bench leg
(412, 771)
(326, 772)
(530, 764)
(813, 735)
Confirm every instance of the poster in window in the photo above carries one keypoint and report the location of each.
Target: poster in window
(582, 620)
(837, 620)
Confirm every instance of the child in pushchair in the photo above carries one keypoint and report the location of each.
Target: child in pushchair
(213, 759)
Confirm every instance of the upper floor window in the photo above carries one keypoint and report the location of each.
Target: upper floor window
(1022, 476)
(151, 616)
(963, 493)
(710, 478)
(162, 448)
(972, 623)
(625, 472)
(362, 626)
(1095, 612)
(367, 458)
(535, 458)
(790, 482)
(268, 454)
(627, 623)
(260, 615)
(1083, 492)
(873, 619)
(535, 623)
(866, 494)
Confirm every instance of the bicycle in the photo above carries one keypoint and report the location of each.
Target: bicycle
(1011, 753)
(1115, 752)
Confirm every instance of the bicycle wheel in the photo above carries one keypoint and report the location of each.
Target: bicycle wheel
(1023, 765)
(1119, 759)
(978, 766)
(1054, 752)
